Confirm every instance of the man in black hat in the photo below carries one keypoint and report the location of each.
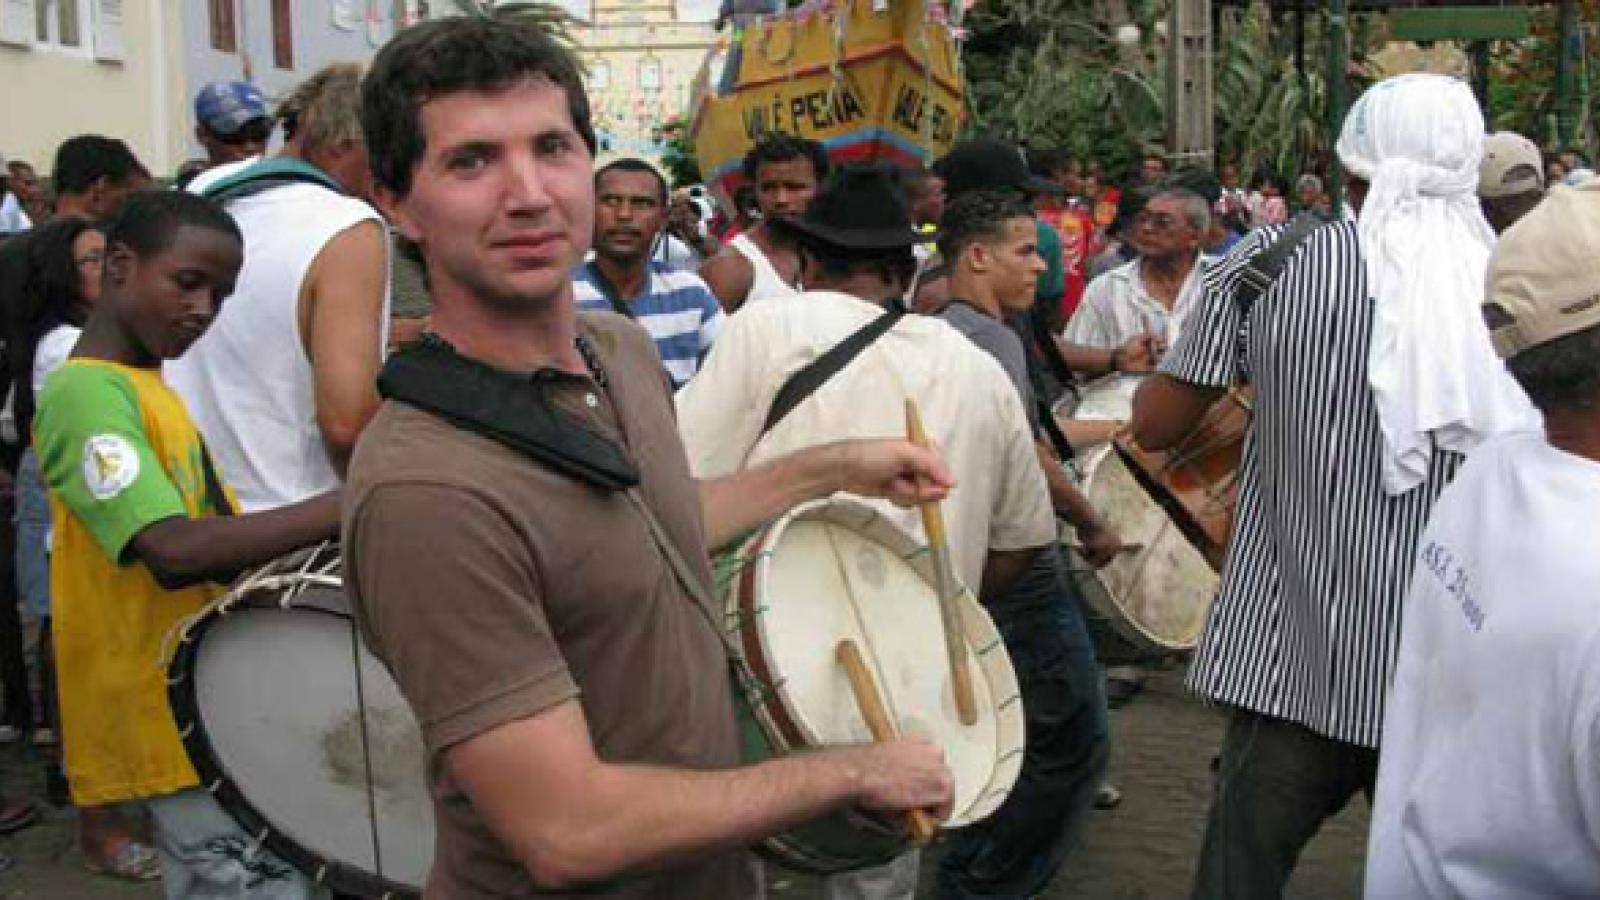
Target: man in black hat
(855, 245)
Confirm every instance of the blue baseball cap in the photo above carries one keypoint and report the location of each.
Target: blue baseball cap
(224, 107)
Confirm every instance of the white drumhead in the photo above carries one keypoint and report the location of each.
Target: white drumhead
(1165, 588)
(837, 570)
(279, 695)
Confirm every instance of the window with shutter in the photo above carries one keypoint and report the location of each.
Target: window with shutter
(223, 36)
(282, 34)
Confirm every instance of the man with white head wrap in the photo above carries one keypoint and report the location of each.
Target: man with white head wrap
(1373, 375)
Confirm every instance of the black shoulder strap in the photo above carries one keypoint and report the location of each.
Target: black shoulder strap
(265, 175)
(505, 407)
(805, 381)
(609, 290)
(1259, 274)
(1052, 430)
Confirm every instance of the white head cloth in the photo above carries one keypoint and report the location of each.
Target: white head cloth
(1417, 141)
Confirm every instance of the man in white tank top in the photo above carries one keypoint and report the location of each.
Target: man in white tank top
(284, 381)
(758, 265)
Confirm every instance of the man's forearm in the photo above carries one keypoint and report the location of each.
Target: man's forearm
(1065, 498)
(736, 503)
(640, 817)
(1088, 360)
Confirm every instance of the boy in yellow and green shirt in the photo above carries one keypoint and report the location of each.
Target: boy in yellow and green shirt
(144, 532)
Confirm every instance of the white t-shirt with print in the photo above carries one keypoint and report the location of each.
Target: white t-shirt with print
(1489, 775)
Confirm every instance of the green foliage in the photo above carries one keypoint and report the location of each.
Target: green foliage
(1522, 85)
(677, 157)
(1050, 73)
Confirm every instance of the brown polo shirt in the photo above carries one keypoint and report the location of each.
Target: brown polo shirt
(495, 588)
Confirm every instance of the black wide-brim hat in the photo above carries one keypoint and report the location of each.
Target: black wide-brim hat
(989, 164)
(860, 209)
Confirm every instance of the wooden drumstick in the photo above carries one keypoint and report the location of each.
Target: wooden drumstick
(918, 822)
(954, 641)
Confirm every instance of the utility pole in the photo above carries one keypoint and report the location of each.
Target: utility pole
(1190, 98)
(1338, 64)
(1566, 49)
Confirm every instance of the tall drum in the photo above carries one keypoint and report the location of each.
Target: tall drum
(1175, 510)
(300, 734)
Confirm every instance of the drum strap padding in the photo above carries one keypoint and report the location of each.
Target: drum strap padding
(1260, 273)
(806, 380)
(509, 408)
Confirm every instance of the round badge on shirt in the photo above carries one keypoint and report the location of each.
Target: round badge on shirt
(110, 464)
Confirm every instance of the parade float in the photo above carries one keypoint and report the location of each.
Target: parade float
(873, 80)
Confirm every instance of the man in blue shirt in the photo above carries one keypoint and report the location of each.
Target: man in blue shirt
(676, 308)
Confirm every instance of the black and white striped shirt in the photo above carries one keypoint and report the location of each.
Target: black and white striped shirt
(1308, 618)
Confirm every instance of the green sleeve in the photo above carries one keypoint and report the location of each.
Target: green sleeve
(1053, 283)
(96, 458)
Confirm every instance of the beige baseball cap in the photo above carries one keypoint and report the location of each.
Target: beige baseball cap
(1544, 277)
(1511, 165)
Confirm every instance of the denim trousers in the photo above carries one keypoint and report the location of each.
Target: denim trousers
(1018, 850)
(1276, 783)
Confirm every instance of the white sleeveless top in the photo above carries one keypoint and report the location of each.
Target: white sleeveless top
(766, 283)
(247, 381)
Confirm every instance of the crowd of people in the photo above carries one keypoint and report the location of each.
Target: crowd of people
(602, 386)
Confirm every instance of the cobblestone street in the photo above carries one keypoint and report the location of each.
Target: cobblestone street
(1143, 850)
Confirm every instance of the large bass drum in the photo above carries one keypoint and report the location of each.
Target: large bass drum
(301, 734)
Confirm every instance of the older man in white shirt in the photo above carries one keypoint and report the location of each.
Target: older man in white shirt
(1146, 297)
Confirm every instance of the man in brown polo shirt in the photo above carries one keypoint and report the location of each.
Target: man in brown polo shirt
(541, 620)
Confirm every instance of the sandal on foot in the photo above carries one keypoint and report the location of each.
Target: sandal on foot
(16, 815)
(1107, 797)
(134, 862)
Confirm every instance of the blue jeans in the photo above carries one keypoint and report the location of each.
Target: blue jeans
(205, 855)
(33, 535)
(1018, 850)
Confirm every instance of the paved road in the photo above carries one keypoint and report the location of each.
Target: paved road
(1143, 850)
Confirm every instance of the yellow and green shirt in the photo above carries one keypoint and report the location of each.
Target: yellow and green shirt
(119, 453)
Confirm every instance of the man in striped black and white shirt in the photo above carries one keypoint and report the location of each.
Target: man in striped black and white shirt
(676, 308)
(1373, 375)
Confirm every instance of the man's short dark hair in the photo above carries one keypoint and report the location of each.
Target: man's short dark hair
(150, 220)
(448, 56)
(979, 216)
(1563, 374)
(83, 160)
(782, 148)
(630, 164)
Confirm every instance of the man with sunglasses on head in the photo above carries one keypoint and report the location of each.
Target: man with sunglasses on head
(231, 121)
